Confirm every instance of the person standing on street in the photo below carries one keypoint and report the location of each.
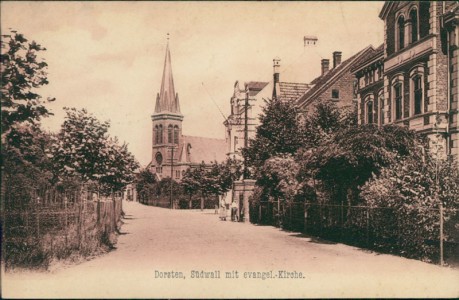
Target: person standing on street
(234, 216)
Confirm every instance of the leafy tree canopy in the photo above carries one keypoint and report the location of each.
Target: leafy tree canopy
(22, 72)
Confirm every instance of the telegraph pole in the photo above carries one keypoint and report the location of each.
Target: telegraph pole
(172, 173)
(246, 130)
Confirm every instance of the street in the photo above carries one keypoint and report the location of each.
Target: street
(181, 254)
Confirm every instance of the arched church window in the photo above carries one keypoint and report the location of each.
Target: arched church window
(169, 134)
(156, 135)
(160, 134)
(176, 134)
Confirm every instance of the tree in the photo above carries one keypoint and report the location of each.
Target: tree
(219, 178)
(83, 148)
(279, 133)
(406, 199)
(351, 156)
(146, 184)
(279, 177)
(191, 181)
(325, 121)
(22, 72)
(25, 167)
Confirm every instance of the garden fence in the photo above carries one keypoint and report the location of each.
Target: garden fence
(416, 232)
(58, 225)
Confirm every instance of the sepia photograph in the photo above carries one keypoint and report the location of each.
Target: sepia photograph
(229, 149)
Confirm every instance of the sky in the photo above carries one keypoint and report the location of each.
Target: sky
(108, 57)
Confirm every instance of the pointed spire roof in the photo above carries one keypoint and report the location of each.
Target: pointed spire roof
(167, 100)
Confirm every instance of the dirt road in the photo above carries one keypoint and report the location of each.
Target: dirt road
(164, 253)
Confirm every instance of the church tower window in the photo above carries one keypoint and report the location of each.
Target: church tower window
(176, 135)
(169, 134)
(160, 134)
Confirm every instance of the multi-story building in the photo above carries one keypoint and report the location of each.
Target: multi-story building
(419, 66)
(336, 84)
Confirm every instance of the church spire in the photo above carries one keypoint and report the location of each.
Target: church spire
(167, 99)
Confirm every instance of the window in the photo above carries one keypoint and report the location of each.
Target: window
(417, 94)
(398, 100)
(356, 88)
(401, 32)
(335, 94)
(235, 143)
(176, 134)
(169, 134)
(160, 134)
(156, 135)
(159, 162)
(414, 25)
(381, 107)
(369, 109)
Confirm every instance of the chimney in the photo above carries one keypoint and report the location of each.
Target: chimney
(325, 66)
(276, 85)
(336, 58)
(276, 66)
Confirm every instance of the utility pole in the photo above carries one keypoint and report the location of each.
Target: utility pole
(437, 186)
(172, 173)
(246, 129)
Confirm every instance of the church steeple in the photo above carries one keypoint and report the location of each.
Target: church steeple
(167, 100)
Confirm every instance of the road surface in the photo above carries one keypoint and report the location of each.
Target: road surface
(165, 254)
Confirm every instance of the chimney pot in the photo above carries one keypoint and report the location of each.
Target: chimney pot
(325, 66)
(336, 58)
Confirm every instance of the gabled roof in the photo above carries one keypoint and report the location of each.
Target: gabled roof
(322, 82)
(202, 149)
(387, 7)
(167, 100)
(377, 53)
(290, 91)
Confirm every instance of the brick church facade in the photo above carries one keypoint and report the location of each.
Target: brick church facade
(412, 79)
(172, 152)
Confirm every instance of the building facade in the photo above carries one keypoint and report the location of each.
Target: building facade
(172, 152)
(335, 84)
(419, 67)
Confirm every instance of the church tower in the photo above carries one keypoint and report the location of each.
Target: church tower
(167, 124)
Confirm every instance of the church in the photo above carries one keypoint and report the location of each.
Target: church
(172, 152)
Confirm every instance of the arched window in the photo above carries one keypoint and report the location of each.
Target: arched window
(381, 107)
(159, 162)
(414, 24)
(397, 93)
(176, 134)
(169, 134)
(155, 135)
(369, 109)
(160, 134)
(369, 112)
(417, 90)
(401, 32)
(424, 17)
